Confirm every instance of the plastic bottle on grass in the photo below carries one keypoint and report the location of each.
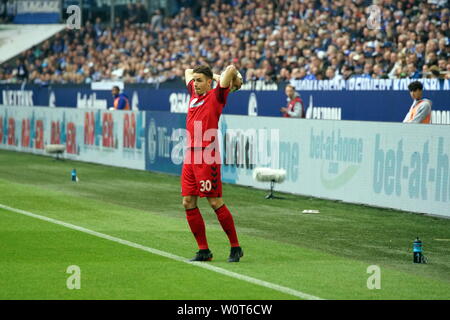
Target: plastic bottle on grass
(74, 175)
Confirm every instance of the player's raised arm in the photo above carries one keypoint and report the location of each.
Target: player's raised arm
(216, 77)
(188, 75)
(227, 76)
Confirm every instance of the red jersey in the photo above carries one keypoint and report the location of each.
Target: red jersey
(204, 112)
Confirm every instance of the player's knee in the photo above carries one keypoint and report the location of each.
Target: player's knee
(215, 203)
(189, 202)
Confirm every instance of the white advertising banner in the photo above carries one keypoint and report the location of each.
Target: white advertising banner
(114, 138)
(394, 165)
(106, 137)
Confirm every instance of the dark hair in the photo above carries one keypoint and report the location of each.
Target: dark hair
(206, 70)
(416, 85)
(116, 87)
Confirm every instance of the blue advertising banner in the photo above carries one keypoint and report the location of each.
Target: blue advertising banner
(388, 105)
(164, 141)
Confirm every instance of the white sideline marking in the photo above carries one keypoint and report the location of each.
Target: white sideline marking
(207, 266)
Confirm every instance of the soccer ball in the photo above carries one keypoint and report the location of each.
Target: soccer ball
(234, 87)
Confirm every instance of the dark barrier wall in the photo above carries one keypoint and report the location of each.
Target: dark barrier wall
(346, 104)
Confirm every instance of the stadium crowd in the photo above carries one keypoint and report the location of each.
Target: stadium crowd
(267, 40)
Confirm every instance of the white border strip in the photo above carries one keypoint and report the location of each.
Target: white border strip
(207, 266)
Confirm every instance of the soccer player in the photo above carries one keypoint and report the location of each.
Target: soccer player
(201, 175)
(420, 111)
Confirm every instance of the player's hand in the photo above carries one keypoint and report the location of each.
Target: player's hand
(237, 82)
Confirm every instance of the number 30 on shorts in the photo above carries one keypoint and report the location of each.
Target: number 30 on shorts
(205, 185)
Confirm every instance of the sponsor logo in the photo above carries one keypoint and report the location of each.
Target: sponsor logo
(179, 102)
(108, 140)
(92, 128)
(425, 178)
(195, 104)
(132, 130)
(328, 113)
(356, 84)
(440, 117)
(71, 142)
(252, 105)
(151, 140)
(246, 148)
(341, 156)
(21, 98)
(259, 85)
(90, 101)
(135, 101)
(12, 132)
(52, 100)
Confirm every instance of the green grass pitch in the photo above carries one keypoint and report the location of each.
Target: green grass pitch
(325, 255)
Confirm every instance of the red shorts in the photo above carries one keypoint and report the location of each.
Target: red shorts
(200, 179)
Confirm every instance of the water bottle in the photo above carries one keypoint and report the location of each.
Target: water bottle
(417, 251)
(74, 175)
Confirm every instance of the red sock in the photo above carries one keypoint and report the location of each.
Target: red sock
(197, 226)
(227, 223)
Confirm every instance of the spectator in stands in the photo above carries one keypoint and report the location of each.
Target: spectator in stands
(270, 39)
(442, 64)
(443, 47)
(331, 74)
(284, 75)
(347, 72)
(156, 23)
(378, 72)
(420, 110)
(294, 108)
(367, 72)
(425, 71)
(121, 101)
(22, 71)
(435, 72)
(412, 72)
(300, 74)
(312, 74)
